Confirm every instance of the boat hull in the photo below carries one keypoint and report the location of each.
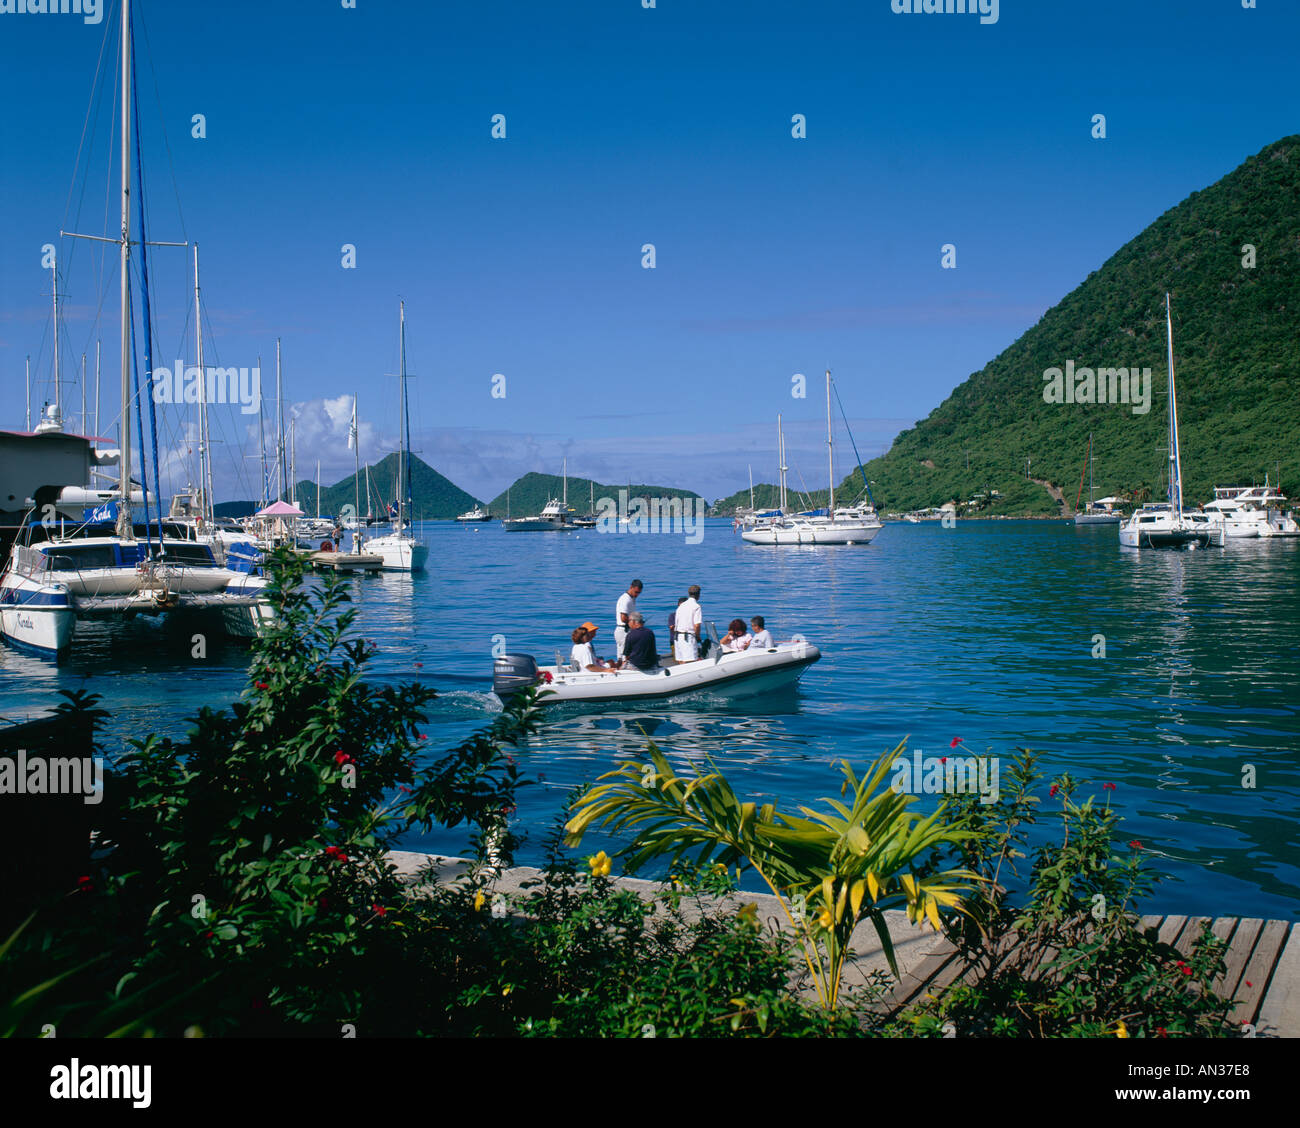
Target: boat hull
(812, 534)
(732, 675)
(400, 554)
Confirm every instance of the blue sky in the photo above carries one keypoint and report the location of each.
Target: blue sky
(624, 126)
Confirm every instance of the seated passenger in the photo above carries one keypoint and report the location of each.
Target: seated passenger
(639, 649)
(736, 638)
(583, 654)
(761, 638)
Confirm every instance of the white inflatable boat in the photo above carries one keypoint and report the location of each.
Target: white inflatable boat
(723, 673)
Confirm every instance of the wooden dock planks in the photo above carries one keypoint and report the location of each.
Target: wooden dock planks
(1262, 968)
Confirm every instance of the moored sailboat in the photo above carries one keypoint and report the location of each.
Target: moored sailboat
(1166, 524)
(401, 551)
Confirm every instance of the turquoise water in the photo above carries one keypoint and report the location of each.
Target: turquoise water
(983, 632)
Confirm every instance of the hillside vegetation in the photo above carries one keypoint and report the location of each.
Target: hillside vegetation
(1236, 357)
(432, 495)
(529, 494)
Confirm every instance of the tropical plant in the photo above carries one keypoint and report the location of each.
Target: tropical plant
(828, 868)
(1071, 958)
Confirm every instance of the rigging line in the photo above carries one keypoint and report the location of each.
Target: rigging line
(162, 125)
(97, 102)
(85, 125)
(853, 442)
(145, 312)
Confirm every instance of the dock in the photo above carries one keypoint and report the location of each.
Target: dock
(1263, 956)
(347, 561)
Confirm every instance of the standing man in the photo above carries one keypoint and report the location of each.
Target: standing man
(687, 625)
(624, 608)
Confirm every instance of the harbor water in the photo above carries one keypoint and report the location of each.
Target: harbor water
(1174, 676)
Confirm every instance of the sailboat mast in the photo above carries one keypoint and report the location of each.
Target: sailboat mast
(751, 487)
(97, 343)
(125, 526)
(1175, 468)
(401, 383)
(780, 446)
(205, 474)
(356, 479)
(83, 393)
(29, 393)
(54, 274)
(318, 489)
(279, 436)
(261, 439)
(830, 454)
(565, 493)
(1092, 490)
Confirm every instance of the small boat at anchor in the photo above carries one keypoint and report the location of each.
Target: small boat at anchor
(722, 673)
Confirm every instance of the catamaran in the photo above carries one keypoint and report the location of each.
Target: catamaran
(401, 551)
(108, 566)
(1166, 524)
(855, 524)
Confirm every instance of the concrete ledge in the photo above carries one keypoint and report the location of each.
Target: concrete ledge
(912, 943)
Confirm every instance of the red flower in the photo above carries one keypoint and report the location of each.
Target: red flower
(208, 935)
(1135, 844)
(379, 909)
(546, 677)
(341, 757)
(261, 685)
(419, 665)
(1249, 983)
(331, 851)
(956, 740)
(1108, 787)
(1054, 789)
(943, 759)
(85, 884)
(424, 736)
(404, 789)
(1187, 970)
(343, 857)
(1161, 1032)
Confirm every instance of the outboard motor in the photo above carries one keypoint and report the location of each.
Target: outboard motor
(512, 673)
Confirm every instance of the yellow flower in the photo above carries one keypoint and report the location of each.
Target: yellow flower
(1121, 1031)
(749, 912)
(507, 988)
(826, 920)
(600, 864)
(480, 899)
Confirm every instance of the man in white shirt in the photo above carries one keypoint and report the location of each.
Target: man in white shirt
(687, 626)
(625, 606)
(762, 637)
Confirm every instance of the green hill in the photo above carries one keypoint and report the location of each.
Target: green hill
(1237, 359)
(432, 495)
(530, 493)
